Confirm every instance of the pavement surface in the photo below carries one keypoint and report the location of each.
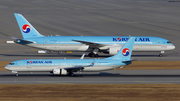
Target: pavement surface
(159, 18)
(107, 77)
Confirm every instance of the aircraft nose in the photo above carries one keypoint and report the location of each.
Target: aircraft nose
(6, 67)
(173, 47)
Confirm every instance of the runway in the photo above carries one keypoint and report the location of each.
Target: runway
(159, 18)
(106, 77)
(90, 18)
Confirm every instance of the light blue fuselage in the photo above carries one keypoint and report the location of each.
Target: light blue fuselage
(50, 64)
(65, 43)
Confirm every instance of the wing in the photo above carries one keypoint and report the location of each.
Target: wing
(78, 68)
(91, 44)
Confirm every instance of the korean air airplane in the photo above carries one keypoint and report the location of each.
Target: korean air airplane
(68, 66)
(93, 44)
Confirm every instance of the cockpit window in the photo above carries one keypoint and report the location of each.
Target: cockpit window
(168, 42)
(11, 63)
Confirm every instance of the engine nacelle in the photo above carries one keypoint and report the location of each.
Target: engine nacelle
(59, 71)
(114, 50)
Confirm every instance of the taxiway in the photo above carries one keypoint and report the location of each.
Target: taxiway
(106, 77)
(90, 18)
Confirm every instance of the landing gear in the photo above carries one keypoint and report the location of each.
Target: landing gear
(71, 74)
(15, 72)
(161, 54)
(94, 53)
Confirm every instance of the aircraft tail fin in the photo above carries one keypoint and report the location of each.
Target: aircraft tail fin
(27, 30)
(126, 51)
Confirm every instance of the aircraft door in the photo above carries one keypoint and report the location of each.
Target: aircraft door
(46, 41)
(159, 41)
(113, 63)
(20, 63)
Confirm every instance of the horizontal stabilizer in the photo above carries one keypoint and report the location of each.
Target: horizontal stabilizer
(18, 40)
(129, 60)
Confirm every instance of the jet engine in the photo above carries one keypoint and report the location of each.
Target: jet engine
(113, 50)
(59, 71)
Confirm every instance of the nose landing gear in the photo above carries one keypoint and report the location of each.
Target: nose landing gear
(161, 54)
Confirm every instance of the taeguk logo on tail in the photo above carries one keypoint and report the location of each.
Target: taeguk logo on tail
(26, 28)
(125, 52)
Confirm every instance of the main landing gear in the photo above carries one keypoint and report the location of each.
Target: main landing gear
(161, 54)
(71, 74)
(94, 53)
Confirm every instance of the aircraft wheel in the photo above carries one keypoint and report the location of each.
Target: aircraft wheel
(17, 74)
(71, 74)
(90, 54)
(96, 55)
(160, 55)
(93, 55)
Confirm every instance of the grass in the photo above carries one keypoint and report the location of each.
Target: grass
(91, 92)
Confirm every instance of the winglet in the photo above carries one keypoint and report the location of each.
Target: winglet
(92, 64)
(82, 57)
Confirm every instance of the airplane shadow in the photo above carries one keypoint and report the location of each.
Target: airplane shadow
(91, 75)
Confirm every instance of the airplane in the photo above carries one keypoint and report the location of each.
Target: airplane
(93, 44)
(68, 66)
